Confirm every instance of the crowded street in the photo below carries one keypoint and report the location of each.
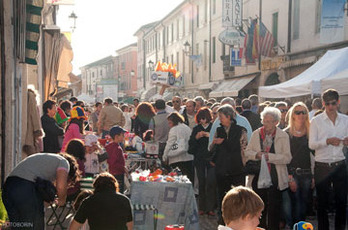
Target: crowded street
(174, 114)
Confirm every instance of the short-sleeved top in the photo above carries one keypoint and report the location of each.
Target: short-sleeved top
(44, 165)
(105, 210)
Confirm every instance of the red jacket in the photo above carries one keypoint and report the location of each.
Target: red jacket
(115, 159)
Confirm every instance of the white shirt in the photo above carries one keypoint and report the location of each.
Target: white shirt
(221, 227)
(322, 128)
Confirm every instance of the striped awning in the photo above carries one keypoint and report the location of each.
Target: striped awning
(33, 22)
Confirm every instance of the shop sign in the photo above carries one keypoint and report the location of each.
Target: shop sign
(272, 64)
(232, 13)
(231, 37)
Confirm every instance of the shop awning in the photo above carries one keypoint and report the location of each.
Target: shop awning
(33, 17)
(210, 85)
(63, 92)
(230, 88)
(145, 96)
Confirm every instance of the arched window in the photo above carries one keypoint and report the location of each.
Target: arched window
(272, 79)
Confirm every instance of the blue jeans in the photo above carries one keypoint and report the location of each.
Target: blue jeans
(287, 207)
(23, 204)
(300, 197)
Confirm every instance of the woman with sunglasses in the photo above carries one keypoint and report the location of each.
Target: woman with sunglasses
(300, 173)
(198, 146)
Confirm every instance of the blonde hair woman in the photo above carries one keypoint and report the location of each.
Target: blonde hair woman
(300, 173)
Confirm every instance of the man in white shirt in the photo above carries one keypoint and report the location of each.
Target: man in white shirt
(177, 104)
(328, 135)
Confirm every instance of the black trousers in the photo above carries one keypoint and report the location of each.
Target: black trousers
(186, 168)
(206, 185)
(224, 184)
(324, 176)
(272, 198)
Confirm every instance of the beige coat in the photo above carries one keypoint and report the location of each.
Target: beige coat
(34, 131)
(281, 158)
(110, 116)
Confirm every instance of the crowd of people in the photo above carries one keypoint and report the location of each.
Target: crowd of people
(221, 145)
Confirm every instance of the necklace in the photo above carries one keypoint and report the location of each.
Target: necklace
(298, 132)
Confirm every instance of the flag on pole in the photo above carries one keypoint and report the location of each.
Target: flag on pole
(249, 45)
(266, 41)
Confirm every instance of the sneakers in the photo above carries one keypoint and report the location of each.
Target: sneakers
(211, 213)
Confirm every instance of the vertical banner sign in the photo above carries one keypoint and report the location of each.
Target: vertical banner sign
(237, 13)
(227, 11)
(232, 13)
(236, 56)
(332, 21)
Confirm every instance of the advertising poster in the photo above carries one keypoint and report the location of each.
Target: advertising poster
(332, 21)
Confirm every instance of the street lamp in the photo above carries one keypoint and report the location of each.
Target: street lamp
(151, 65)
(73, 18)
(187, 48)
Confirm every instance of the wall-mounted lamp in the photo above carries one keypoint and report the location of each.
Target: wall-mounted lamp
(151, 65)
(73, 18)
(187, 48)
(132, 73)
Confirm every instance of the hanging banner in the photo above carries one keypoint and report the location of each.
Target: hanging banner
(61, 2)
(236, 56)
(332, 21)
(232, 13)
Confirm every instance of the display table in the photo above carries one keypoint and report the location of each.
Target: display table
(175, 202)
(139, 162)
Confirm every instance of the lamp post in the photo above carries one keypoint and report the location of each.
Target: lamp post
(151, 65)
(73, 18)
(150, 68)
(187, 48)
(118, 87)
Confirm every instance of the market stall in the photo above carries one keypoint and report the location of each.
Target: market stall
(175, 202)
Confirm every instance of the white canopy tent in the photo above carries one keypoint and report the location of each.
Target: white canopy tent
(338, 82)
(311, 80)
(86, 98)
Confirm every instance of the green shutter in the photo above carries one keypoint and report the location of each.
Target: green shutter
(33, 10)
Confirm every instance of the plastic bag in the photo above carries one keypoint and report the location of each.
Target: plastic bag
(265, 180)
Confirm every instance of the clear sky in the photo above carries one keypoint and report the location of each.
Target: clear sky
(104, 26)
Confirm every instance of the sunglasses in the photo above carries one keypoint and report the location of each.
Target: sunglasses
(331, 103)
(283, 110)
(300, 112)
(176, 101)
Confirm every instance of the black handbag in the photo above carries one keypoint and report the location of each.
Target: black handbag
(46, 189)
(252, 167)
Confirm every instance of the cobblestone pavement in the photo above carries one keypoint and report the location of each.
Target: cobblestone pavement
(206, 222)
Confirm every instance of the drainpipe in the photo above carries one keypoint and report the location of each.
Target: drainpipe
(192, 40)
(3, 94)
(260, 19)
(289, 26)
(210, 41)
(15, 85)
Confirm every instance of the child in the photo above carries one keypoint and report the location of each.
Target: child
(75, 127)
(116, 160)
(92, 151)
(241, 209)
